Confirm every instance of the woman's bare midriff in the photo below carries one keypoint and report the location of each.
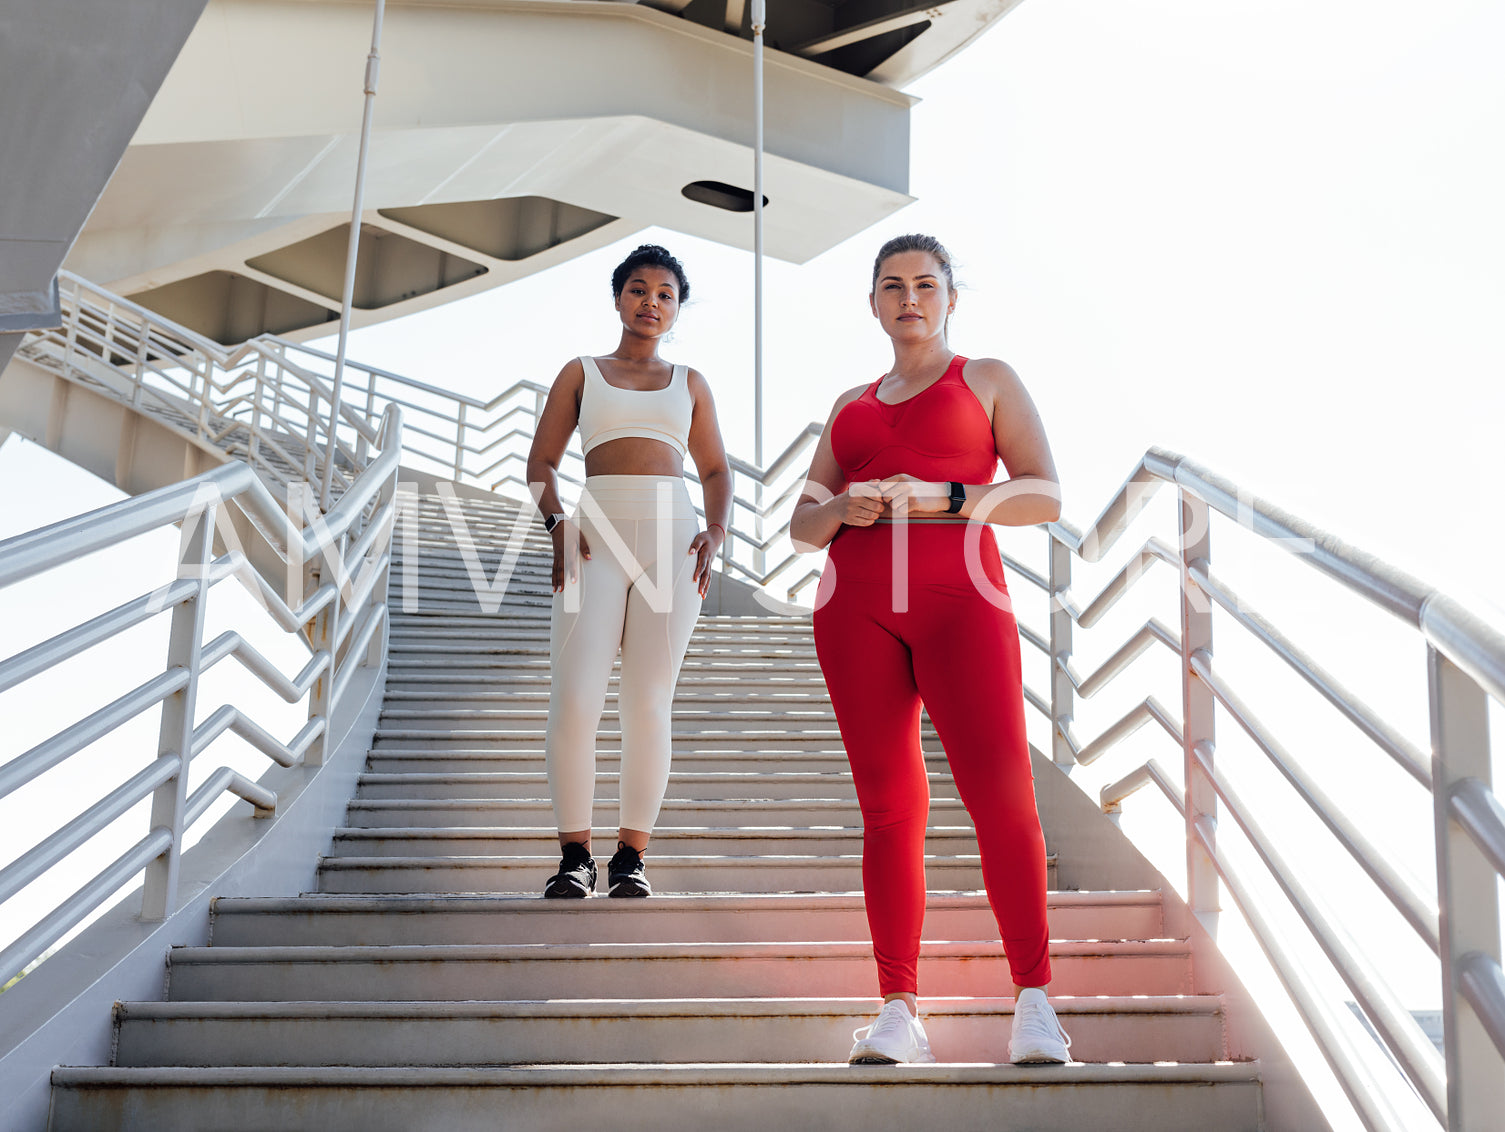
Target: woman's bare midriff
(634, 456)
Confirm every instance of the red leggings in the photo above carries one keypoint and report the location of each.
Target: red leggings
(958, 651)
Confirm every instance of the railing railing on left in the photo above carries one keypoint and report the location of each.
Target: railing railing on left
(248, 401)
(332, 596)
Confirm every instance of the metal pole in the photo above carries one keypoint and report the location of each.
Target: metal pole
(759, 21)
(1198, 714)
(1467, 893)
(373, 67)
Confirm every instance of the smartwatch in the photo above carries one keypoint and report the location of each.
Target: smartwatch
(957, 495)
(552, 521)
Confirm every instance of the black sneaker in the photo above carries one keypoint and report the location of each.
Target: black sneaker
(577, 873)
(624, 875)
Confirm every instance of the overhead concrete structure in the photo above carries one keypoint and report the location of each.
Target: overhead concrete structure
(76, 77)
(510, 135)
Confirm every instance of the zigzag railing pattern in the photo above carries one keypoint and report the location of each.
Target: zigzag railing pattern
(1466, 669)
(332, 594)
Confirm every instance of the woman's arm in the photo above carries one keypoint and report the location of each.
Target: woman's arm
(828, 501)
(709, 453)
(551, 436)
(1031, 494)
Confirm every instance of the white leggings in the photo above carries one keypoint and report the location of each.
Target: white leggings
(637, 592)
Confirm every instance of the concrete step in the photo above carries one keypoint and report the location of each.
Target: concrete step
(365, 813)
(768, 744)
(652, 1098)
(522, 606)
(955, 872)
(1135, 1029)
(740, 696)
(707, 634)
(682, 786)
(441, 567)
(455, 644)
(668, 840)
(399, 758)
(795, 715)
(427, 676)
(320, 920)
(652, 970)
(492, 661)
(795, 724)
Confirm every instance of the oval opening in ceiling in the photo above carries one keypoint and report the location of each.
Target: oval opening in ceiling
(718, 194)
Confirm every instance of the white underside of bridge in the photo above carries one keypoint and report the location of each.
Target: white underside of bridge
(567, 124)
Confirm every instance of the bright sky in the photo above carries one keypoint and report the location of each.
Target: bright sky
(1266, 235)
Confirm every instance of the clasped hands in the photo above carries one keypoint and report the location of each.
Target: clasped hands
(865, 502)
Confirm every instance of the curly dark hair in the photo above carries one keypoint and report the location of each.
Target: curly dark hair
(649, 255)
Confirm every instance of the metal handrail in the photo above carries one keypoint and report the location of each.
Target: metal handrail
(340, 556)
(1466, 669)
(198, 388)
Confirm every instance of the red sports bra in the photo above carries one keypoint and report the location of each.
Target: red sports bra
(941, 433)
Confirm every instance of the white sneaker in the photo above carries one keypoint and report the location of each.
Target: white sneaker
(895, 1038)
(1038, 1036)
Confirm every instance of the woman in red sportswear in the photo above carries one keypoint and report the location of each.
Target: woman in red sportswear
(913, 608)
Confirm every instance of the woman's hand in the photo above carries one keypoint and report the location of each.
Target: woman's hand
(569, 547)
(860, 505)
(903, 494)
(704, 548)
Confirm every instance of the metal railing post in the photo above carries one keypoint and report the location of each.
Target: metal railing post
(107, 347)
(258, 391)
(326, 633)
(363, 447)
(1062, 694)
(140, 375)
(1198, 711)
(731, 521)
(204, 394)
(70, 340)
(381, 588)
(311, 440)
(1467, 891)
(759, 554)
(175, 738)
(460, 440)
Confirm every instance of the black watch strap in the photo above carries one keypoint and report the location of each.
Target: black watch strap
(958, 496)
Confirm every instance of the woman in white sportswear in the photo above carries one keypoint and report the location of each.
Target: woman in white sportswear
(630, 567)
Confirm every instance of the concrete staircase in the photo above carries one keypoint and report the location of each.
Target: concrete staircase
(426, 985)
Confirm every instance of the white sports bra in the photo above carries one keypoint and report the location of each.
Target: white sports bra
(610, 413)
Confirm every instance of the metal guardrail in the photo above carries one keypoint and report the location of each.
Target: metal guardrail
(1463, 1088)
(339, 560)
(250, 402)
